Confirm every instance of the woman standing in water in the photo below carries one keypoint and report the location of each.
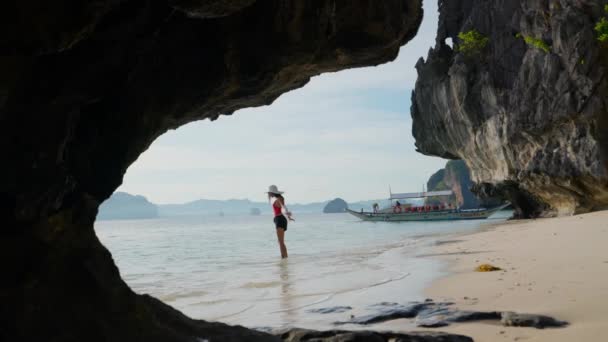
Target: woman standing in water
(278, 208)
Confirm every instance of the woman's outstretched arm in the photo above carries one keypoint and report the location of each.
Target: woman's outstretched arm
(284, 207)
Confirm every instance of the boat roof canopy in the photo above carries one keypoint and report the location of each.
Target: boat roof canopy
(421, 194)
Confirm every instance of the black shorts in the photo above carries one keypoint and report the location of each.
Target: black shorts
(280, 222)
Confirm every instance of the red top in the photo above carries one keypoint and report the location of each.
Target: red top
(277, 210)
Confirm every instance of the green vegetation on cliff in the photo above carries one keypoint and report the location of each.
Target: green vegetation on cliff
(602, 30)
(471, 43)
(601, 27)
(537, 43)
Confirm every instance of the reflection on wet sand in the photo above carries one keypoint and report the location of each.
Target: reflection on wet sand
(289, 314)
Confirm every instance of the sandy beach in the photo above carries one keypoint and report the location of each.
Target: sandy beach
(556, 267)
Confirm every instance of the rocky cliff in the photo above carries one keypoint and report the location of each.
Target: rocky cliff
(85, 88)
(524, 102)
(456, 177)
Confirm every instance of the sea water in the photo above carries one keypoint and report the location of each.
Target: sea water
(229, 268)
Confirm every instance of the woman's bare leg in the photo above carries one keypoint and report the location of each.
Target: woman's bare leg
(280, 237)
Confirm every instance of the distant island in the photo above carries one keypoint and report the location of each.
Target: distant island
(337, 205)
(124, 206)
(231, 207)
(255, 212)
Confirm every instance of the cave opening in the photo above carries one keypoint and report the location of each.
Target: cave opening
(110, 95)
(84, 98)
(345, 134)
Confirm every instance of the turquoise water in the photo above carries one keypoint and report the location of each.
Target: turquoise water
(228, 268)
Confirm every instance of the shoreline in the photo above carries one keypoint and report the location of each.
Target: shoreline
(554, 266)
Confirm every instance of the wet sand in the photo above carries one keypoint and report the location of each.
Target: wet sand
(556, 267)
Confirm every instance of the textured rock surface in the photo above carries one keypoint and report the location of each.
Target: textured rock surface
(85, 88)
(390, 311)
(512, 319)
(332, 309)
(457, 177)
(302, 335)
(531, 125)
(430, 314)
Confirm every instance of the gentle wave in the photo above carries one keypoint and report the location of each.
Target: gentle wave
(335, 293)
(261, 285)
(234, 273)
(234, 313)
(180, 295)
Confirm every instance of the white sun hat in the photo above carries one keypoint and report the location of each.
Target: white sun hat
(274, 190)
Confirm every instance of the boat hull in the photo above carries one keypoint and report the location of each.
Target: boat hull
(444, 215)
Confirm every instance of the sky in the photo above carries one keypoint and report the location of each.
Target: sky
(345, 134)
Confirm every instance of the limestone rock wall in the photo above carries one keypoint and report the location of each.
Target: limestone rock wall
(457, 177)
(531, 125)
(86, 86)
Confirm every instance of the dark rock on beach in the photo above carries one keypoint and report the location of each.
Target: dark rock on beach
(333, 309)
(86, 87)
(302, 335)
(442, 316)
(512, 319)
(429, 314)
(531, 123)
(390, 311)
